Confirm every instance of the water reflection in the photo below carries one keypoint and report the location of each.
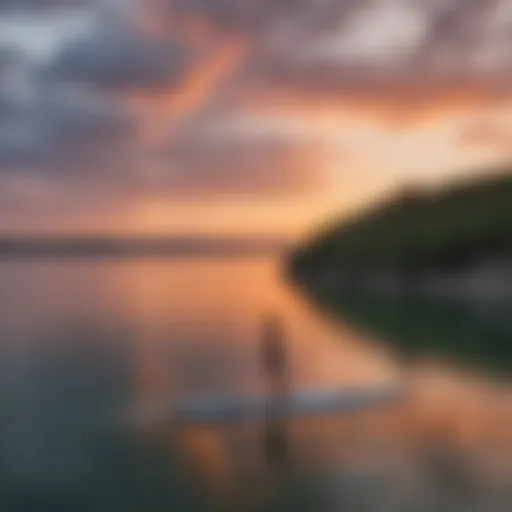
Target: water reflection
(82, 341)
(58, 449)
(471, 333)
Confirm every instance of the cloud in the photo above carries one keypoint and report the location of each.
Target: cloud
(244, 17)
(41, 5)
(7, 59)
(50, 123)
(204, 164)
(464, 37)
(401, 54)
(39, 34)
(59, 132)
(120, 59)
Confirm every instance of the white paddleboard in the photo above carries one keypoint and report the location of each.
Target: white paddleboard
(220, 409)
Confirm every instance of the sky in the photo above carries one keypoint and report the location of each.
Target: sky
(242, 116)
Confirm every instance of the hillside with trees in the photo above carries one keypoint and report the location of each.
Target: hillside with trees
(449, 231)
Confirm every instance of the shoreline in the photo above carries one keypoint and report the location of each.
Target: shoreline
(485, 282)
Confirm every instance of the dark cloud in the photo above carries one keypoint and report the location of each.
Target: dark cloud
(120, 60)
(36, 5)
(456, 42)
(59, 133)
(240, 15)
(6, 59)
(457, 30)
(255, 16)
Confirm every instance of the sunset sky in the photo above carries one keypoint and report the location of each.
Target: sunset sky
(241, 116)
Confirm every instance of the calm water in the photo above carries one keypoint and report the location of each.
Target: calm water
(82, 342)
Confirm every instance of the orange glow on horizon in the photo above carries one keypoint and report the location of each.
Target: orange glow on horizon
(396, 105)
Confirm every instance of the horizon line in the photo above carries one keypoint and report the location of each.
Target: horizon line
(25, 245)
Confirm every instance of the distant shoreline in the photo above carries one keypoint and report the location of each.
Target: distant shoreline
(14, 247)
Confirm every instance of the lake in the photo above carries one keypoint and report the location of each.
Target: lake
(83, 341)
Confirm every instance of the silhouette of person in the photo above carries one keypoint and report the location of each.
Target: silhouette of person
(274, 362)
(273, 354)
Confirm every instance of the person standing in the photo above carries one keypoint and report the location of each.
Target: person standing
(274, 362)
(274, 358)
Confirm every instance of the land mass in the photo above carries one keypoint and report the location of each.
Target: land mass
(456, 240)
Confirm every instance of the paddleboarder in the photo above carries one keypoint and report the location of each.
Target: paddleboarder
(274, 362)
(274, 359)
